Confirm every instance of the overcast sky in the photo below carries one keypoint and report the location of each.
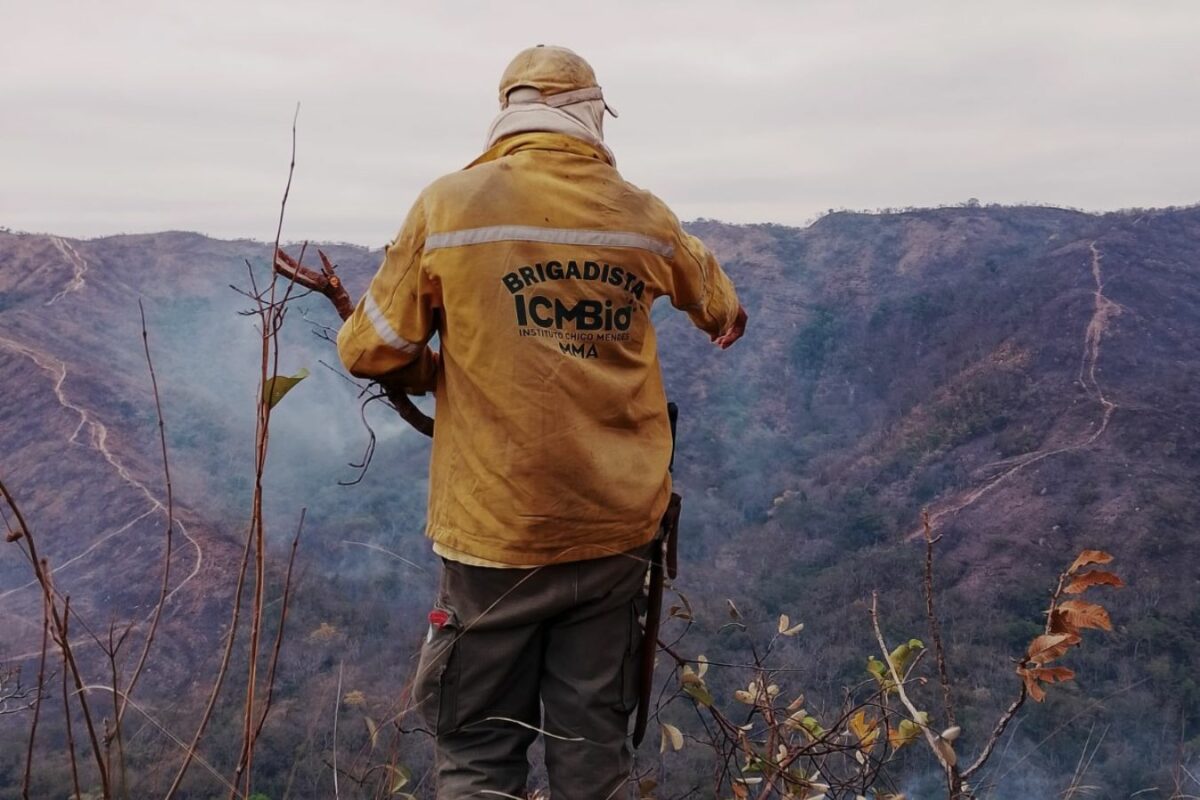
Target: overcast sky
(144, 116)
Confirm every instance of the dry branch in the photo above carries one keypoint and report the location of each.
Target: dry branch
(935, 627)
(37, 706)
(287, 588)
(166, 570)
(271, 316)
(931, 738)
(59, 626)
(326, 282)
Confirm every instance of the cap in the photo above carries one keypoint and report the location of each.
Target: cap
(560, 76)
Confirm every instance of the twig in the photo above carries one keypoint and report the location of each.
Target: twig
(930, 736)
(37, 706)
(1084, 763)
(113, 647)
(1095, 704)
(1054, 598)
(287, 587)
(164, 589)
(272, 316)
(935, 628)
(997, 732)
(391, 553)
(67, 710)
(369, 450)
(327, 283)
(222, 671)
(337, 705)
(167, 732)
(42, 572)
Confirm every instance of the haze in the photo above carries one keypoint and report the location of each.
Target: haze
(138, 116)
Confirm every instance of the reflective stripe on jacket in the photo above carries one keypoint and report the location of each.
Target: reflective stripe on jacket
(537, 266)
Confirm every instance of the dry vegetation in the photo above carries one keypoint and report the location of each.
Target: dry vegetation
(766, 744)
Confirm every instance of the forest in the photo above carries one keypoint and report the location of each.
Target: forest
(900, 506)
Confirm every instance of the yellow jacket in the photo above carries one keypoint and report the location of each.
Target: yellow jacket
(537, 266)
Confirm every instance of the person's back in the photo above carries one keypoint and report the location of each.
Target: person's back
(537, 267)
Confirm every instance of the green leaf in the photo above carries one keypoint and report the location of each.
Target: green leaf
(813, 727)
(276, 387)
(904, 653)
(905, 734)
(699, 692)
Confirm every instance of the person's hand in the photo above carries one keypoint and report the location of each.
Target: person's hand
(417, 378)
(734, 332)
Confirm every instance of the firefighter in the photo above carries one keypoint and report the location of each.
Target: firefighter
(536, 266)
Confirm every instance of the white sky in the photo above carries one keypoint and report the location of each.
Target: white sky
(143, 116)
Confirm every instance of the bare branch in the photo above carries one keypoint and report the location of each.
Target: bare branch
(14, 695)
(287, 588)
(67, 709)
(164, 589)
(59, 621)
(997, 732)
(337, 705)
(327, 283)
(37, 706)
(935, 627)
(930, 736)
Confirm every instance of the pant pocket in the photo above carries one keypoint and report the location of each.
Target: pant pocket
(435, 688)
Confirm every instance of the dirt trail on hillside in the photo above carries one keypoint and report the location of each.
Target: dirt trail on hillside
(1102, 314)
(97, 435)
(77, 262)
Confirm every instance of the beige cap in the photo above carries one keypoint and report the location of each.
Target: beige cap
(558, 74)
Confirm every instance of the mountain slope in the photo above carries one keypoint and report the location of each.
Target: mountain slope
(1025, 373)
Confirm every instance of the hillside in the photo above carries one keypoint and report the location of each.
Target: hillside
(1025, 373)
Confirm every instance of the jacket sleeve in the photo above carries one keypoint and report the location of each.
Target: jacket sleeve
(388, 333)
(698, 285)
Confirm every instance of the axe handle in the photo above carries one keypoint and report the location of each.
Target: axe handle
(649, 644)
(664, 541)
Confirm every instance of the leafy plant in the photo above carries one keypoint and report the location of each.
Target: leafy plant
(769, 743)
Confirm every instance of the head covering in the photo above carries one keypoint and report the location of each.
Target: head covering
(551, 89)
(559, 75)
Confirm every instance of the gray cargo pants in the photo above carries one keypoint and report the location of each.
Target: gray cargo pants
(564, 637)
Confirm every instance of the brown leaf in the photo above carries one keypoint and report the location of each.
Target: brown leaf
(1033, 679)
(1089, 557)
(13, 535)
(1054, 674)
(1060, 622)
(1096, 577)
(1036, 693)
(1049, 646)
(1079, 614)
